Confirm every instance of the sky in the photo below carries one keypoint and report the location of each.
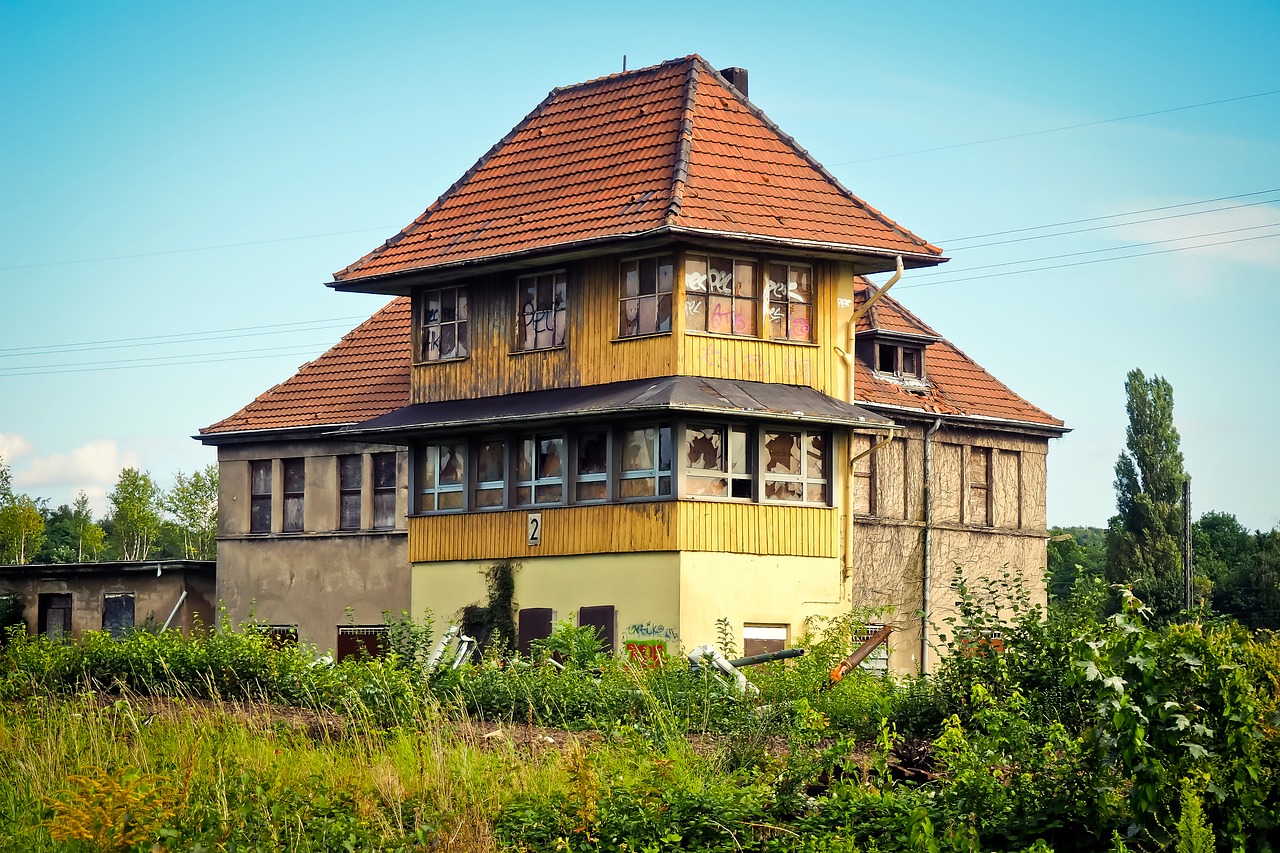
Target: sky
(178, 181)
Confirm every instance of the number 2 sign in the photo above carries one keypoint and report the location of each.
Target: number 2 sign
(535, 528)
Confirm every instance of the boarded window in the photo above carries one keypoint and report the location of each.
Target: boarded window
(978, 510)
(54, 618)
(280, 636)
(760, 638)
(350, 473)
(646, 462)
(533, 623)
(361, 641)
(721, 296)
(645, 296)
(790, 302)
(443, 324)
(604, 618)
(294, 484)
(117, 613)
(260, 496)
(542, 302)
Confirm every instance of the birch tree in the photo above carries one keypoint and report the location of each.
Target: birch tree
(135, 515)
(192, 503)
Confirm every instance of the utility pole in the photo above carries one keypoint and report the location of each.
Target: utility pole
(1188, 555)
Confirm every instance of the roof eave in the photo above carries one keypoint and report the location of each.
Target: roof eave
(986, 421)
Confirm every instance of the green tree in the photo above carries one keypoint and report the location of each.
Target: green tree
(21, 528)
(89, 536)
(59, 538)
(135, 515)
(192, 503)
(1143, 538)
(1074, 552)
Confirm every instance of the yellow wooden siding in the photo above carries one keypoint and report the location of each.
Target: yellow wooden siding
(727, 357)
(771, 529)
(590, 355)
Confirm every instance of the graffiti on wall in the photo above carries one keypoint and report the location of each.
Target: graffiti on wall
(646, 642)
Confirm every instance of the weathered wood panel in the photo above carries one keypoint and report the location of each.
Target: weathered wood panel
(777, 529)
(947, 481)
(1006, 488)
(591, 353)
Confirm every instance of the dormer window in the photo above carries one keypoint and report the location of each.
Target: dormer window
(901, 360)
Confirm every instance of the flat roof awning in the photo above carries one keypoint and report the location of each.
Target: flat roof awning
(662, 397)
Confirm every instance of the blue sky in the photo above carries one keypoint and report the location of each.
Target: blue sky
(178, 181)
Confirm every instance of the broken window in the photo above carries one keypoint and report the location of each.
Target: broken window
(294, 487)
(790, 302)
(795, 466)
(443, 324)
(260, 496)
(718, 461)
(440, 476)
(117, 613)
(350, 473)
(646, 462)
(900, 360)
(645, 296)
(591, 483)
(384, 491)
(978, 509)
(491, 474)
(721, 296)
(540, 470)
(542, 308)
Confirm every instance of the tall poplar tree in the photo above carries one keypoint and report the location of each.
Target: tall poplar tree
(1144, 536)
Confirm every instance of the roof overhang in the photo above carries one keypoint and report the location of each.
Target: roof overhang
(867, 260)
(971, 421)
(663, 397)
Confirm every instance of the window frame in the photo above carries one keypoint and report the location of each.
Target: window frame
(346, 490)
(461, 325)
(660, 261)
(898, 349)
(294, 518)
(383, 491)
(560, 314)
(704, 294)
(656, 473)
(803, 478)
(437, 488)
(260, 499)
(978, 493)
(787, 304)
(750, 458)
(537, 482)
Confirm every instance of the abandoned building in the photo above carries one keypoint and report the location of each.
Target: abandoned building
(633, 350)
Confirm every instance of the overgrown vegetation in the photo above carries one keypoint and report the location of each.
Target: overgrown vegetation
(1074, 733)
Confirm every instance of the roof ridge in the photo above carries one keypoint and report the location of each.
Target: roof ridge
(809, 158)
(608, 78)
(680, 173)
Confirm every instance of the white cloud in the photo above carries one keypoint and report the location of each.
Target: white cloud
(1243, 234)
(13, 447)
(93, 467)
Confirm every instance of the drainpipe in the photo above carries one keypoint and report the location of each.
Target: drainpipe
(847, 353)
(925, 545)
(181, 599)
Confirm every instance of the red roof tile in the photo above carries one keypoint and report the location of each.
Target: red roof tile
(365, 375)
(673, 147)
(957, 385)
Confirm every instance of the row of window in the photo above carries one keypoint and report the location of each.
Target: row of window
(54, 613)
(975, 505)
(722, 296)
(621, 463)
(351, 482)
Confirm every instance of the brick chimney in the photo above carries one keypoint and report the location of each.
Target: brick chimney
(737, 78)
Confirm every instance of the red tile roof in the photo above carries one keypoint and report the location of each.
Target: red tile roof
(673, 148)
(365, 375)
(957, 385)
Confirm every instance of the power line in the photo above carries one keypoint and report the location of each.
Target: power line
(192, 249)
(1095, 261)
(1117, 216)
(179, 337)
(172, 362)
(1056, 129)
(1239, 230)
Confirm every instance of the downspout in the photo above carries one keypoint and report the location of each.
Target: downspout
(846, 570)
(925, 545)
(169, 621)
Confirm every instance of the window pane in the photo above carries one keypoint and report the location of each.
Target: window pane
(909, 367)
(292, 513)
(384, 510)
(260, 475)
(551, 458)
(487, 498)
(815, 457)
(739, 457)
(663, 319)
(720, 315)
(451, 500)
(349, 473)
(666, 276)
(491, 457)
(552, 494)
(777, 490)
(427, 467)
(629, 318)
(649, 276)
(592, 491)
(744, 279)
(637, 454)
(462, 304)
(452, 464)
(448, 305)
(427, 502)
(593, 453)
(702, 449)
(294, 475)
(260, 515)
(630, 272)
(117, 613)
(448, 341)
(637, 487)
(800, 329)
(720, 277)
(707, 486)
(744, 317)
(782, 453)
(384, 470)
(349, 515)
(695, 275)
